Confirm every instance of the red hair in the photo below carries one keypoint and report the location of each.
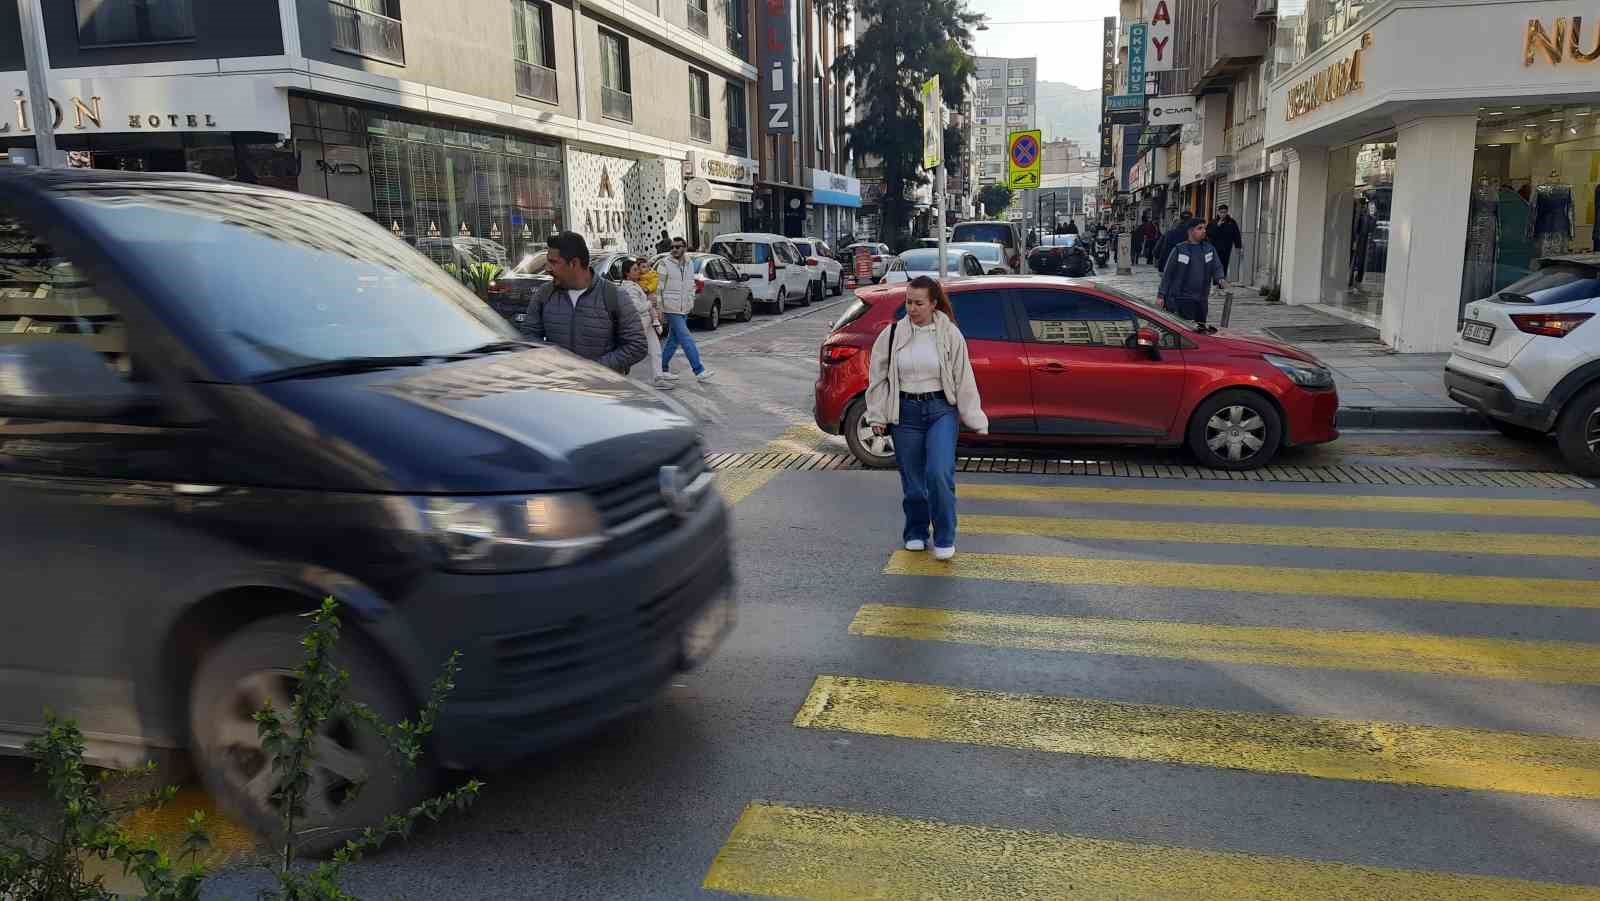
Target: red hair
(941, 301)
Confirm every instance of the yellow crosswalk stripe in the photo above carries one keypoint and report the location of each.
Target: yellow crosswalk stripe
(1261, 500)
(1359, 583)
(1481, 658)
(829, 854)
(1403, 753)
(1085, 528)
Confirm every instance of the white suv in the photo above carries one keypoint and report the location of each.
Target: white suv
(778, 273)
(1529, 358)
(828, 271)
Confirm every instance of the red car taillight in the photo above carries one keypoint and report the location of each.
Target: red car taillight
(772, 270)
(1551, 325)
(838, 353)
(498, 288)
(699, 285)
(811, 261)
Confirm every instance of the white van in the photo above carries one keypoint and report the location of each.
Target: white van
(778, 272)
(990, 231)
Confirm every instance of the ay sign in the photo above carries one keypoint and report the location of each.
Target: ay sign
(776, 64)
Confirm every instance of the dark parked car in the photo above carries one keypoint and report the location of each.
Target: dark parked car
(512, 290)
(221, 403)
(1063, 255)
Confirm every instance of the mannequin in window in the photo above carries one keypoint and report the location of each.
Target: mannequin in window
(1483, 236)
(1552, 216)
(1366, 222)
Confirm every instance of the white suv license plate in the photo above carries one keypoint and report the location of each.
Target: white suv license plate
(1477, 333)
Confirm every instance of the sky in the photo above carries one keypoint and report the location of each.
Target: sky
(1068, 52)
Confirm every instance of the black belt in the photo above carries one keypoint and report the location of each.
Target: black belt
(907, 395)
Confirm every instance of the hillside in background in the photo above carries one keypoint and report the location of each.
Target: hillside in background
(1071, 112)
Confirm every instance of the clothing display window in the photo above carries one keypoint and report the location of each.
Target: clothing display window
(1361, 192)
(1536, 187)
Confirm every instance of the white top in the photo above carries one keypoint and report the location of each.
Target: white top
(677, 284)
(574, 295)
(917, 364)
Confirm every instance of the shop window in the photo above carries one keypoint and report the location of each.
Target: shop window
(369, 28)
(1067, 317)
(699, 106)
(110, 22)
(535, 50)
(1361, 191)
(616, 77)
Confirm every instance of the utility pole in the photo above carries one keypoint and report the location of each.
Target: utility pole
(36, 57)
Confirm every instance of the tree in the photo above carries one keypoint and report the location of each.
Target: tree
(995, 198)
(905, 43)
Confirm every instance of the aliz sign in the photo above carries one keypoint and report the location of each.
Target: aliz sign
(776, 64)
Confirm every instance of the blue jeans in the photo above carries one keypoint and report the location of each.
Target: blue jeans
(925, 448)
(678, 333)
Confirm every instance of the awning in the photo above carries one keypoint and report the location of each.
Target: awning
(730, 195)
(835, 198)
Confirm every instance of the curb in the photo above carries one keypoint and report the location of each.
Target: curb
(1419, 418)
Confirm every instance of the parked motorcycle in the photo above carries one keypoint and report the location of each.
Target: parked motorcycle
(1102, 249)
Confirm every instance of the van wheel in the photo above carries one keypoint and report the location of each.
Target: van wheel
(1579, 432)
(714, 319)
(874, 451)
(838, 286)
(781, 302)
(1235, 430)
(255, 666)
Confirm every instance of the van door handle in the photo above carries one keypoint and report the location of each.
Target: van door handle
(1050, 367)
(190, 490)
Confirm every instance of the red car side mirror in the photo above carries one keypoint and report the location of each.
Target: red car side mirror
(1147, 338)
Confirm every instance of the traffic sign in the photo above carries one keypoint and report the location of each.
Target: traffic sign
(1024, 159)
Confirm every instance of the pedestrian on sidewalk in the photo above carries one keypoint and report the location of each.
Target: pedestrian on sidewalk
(677, 302)
(1192, 268)
(581, 312)
(648, 369)
(920, 389)
(1145, 240)
(1174, 236)
(1072, 226)
(1224, 236)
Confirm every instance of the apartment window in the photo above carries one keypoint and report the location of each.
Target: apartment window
(369, 28)
(699, 106)
(535, 49)
(616, 77)
(134, 21)
(699, 18)
(738, 128)
(734, 17)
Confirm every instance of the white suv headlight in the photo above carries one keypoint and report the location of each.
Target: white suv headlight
(512, 533)
(1306, 375)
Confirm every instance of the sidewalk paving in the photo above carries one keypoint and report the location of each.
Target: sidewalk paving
(1378, 388)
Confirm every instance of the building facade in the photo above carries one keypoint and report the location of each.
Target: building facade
(1421, 177)
(470, 129)
(1007, 101)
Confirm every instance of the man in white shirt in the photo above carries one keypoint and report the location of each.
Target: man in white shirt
(677, 302)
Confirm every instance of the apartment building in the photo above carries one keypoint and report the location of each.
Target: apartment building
(470, 129)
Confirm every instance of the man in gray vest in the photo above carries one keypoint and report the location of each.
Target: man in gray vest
(582, 312)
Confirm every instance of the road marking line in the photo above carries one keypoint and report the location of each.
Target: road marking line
(1352, 583)
(829, 854)
(1568, 662)
(1401, 753)
(1261, 500)
(736, 485)
(1515, 544)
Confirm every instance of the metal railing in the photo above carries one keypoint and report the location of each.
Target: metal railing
(738, 139)
(700, 128)
(536, 81)
(699, 20)
(615, 104)
(367, 34)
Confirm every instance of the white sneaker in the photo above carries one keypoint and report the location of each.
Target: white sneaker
(916, 545)
(670, 376)
(706, 374)
(664, 385)
(943, 553)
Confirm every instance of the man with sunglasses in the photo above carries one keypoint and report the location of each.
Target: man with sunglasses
(677, 302)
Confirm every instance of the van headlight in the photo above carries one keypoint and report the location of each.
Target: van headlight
(513, 533)
(1306, 375)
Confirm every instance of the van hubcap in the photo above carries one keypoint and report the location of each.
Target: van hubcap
(1236, 433)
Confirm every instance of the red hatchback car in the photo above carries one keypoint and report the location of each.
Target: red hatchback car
(1061, 361)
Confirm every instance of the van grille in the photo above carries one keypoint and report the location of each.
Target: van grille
(621, 504)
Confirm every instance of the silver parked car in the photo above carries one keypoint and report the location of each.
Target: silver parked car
(719, 289)
(925, 261)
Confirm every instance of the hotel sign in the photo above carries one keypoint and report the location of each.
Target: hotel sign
(89, 114)
(1337, 80)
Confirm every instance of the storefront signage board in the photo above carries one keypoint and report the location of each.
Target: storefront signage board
(1560, 42)
(154, 104)
(775, 66)
(1137, 45)
(1176, 110)
(1108, 86)
(1158, 40)
(1337, 80)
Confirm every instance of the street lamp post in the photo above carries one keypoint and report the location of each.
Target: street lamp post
(36, 56)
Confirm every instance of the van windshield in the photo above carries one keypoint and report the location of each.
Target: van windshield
(742, 251)
(984, 232)
(267, 283)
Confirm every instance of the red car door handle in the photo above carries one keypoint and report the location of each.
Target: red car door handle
(1050, 367)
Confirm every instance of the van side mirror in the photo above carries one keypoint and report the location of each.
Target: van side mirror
(63, 380)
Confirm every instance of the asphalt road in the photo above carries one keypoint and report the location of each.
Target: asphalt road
(1120, 689)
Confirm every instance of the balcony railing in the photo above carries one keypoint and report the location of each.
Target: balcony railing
(367, 34)
(536, 81)
(738, 140)
(615, 104)
(700, 128)
(699, 21)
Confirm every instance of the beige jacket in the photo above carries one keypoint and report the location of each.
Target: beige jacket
(955, 371)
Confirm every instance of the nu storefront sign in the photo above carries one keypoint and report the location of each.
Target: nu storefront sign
(1337, 80)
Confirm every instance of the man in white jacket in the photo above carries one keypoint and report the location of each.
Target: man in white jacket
(677, 302)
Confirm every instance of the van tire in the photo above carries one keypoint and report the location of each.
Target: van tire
(1580, 425)
(781, 302)
(255, 664)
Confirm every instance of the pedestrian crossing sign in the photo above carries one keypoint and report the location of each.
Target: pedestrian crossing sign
(1024, 159)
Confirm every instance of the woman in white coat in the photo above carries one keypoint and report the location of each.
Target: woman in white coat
(920, 384)
(633, 270)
